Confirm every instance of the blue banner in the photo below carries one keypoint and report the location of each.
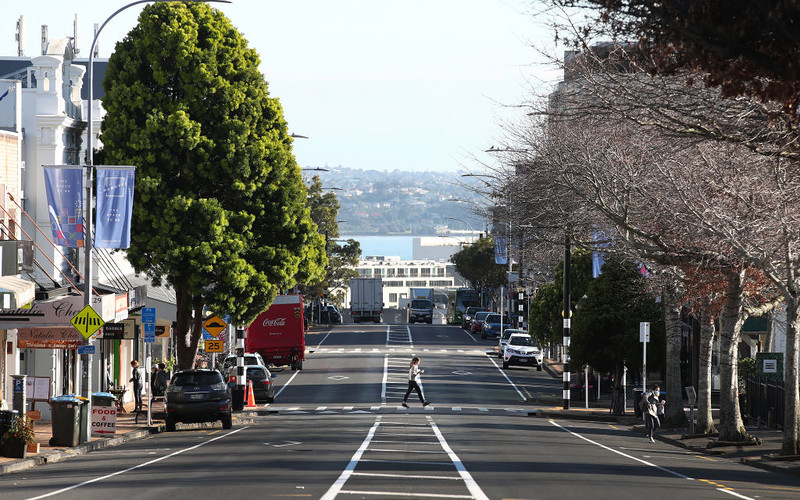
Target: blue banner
(64, 186)
(500, 250)
(114, 207)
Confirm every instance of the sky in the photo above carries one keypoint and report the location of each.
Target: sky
(419, 85)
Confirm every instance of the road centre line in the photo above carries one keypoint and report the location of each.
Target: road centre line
(385, 377)
(107, 476)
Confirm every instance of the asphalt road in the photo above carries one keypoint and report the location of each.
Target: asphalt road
(336, 430)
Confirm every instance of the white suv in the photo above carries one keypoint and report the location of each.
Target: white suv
(522, 350)
(501, 343)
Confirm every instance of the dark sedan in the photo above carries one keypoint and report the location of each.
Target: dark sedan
(198, 396)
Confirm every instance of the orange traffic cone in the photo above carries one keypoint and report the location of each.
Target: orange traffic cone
(251, 399)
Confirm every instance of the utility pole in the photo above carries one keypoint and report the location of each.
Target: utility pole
(567, 313)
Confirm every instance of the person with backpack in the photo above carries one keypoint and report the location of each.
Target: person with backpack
(160, 380)
(650, 406)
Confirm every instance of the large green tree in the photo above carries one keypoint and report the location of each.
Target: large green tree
(342, 256)
(219, 211)
(475, 262)
(605, 331)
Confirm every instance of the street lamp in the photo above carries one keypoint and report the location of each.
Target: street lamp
(87, 223)
(462, 220)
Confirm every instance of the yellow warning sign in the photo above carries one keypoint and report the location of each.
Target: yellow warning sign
(214, 325)
(87, 322)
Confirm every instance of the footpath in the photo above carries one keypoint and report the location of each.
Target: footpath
(763, 456)
(131, 426)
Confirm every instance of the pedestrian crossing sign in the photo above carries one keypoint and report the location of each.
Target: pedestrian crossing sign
(87, 322)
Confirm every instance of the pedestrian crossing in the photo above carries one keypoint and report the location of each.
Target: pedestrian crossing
(396, 408)
(413, 453)
(409, 350)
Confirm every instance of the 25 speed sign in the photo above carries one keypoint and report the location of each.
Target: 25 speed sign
(214, 346)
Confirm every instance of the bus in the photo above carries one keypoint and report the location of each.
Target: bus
(465, 297)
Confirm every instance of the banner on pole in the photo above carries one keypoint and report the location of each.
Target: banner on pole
(114, 206)
(64, 186)
(500, 250)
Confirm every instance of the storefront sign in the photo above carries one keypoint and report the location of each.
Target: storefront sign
(65, 337)
(57, 312)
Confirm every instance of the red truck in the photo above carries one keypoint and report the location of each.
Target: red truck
(279, 334)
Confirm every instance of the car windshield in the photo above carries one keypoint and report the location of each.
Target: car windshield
(256, 374)
(420, 304)
(481, 315)
(472, 310)
(520, 340)
(203, 378)
(495, 318)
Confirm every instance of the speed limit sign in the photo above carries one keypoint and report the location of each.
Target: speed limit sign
(214, 346)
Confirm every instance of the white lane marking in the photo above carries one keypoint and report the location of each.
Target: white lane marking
(387, 336)
(406, 476)
(336, 487)
(323, 339)
(509, 380)
(645, 462)
(410, 340)
(385, 377)
(107, 476)
(286, 384)
(321, 408)
(396, 494)
(472, 486)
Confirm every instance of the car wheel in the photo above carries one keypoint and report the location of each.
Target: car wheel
(169, 425)
(538, 368)
(227, 421)
(505, 364)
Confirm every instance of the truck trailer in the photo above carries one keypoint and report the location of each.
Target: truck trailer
(366, 299)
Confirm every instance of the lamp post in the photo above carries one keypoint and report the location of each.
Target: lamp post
(87, 223)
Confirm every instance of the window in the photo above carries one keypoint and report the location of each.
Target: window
(365, 273)
(389, 273)
(413, 272)
(401, 272)
(425, 272)
(440, 272)
(392, 297)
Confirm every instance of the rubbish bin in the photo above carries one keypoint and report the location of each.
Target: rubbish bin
(103, 399)
(637, 396)
(84, 437)
(66, 420)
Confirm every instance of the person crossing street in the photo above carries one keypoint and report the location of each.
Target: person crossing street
(414, 372)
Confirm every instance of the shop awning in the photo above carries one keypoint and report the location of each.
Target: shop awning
(16, 292)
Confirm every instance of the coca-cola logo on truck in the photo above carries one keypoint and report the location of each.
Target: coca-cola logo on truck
(274, 322)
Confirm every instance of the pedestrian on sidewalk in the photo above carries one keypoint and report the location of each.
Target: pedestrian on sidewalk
(136, 379)
(650, 408)
(413, 382)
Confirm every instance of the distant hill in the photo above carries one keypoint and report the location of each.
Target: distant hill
(383, 203)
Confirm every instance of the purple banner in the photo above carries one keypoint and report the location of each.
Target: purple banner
(114, 207)
(64, 186)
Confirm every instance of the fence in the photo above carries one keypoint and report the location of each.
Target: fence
(766, 400)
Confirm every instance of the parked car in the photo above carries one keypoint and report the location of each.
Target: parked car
(503, 340)
(522, 350)
(330, 314)
(492, 324)
(477, 321)
(198, 396)
(263, 389)
(250, 358)
(469, 315)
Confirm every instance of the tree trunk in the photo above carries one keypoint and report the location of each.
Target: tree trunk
(618, 396)
(769, 340)
(791, 418)
(731, 427)
(185, 346)
(674, 416)
(705, 422)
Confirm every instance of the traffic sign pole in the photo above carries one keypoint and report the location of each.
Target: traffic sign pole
(149, 323)
(87, 322)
